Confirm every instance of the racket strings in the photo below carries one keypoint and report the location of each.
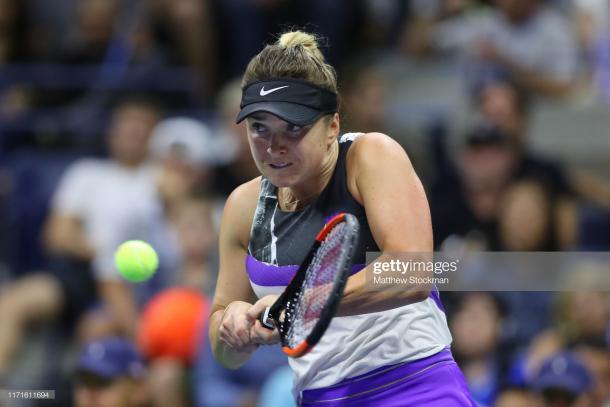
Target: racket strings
(304, 312)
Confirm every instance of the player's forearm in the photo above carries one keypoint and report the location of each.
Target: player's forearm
(363, 294)
(224, 354)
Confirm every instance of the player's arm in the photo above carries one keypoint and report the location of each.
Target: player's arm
(234, 296)
(382, 179)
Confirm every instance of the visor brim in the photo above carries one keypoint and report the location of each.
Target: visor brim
(291, 112)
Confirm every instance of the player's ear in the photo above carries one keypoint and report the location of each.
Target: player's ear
(333, 128)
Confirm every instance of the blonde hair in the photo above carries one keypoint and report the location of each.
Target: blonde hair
(295, 55)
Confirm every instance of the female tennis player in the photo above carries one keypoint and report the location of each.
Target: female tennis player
(384, 347)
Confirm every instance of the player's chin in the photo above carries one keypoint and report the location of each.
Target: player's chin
(282, 178)
(283, 182)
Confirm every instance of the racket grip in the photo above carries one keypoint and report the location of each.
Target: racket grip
(265, 320)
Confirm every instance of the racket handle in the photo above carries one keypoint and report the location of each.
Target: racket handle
(265, 320)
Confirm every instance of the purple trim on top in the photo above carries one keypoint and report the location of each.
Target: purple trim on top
(269, 275)
(436, 296)
(266, 274)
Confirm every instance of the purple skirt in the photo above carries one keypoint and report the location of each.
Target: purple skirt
(432, 381)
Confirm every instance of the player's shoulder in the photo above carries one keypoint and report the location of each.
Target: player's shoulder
(239, 211)
(242, 201)
(248, 191)
(373, 146)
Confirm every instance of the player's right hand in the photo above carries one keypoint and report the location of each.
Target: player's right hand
(235, 327)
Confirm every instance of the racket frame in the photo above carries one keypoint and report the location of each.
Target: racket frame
(270, 318)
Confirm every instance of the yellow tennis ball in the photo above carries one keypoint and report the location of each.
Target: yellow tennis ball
(136, 260)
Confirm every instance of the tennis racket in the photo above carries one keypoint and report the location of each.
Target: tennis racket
(305, 308)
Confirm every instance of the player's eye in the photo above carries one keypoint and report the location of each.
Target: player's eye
(296, 131)
(258, 128)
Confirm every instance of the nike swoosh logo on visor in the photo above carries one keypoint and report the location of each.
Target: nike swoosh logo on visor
(266, 92)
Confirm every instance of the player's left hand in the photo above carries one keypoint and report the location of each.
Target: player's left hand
(258, 333)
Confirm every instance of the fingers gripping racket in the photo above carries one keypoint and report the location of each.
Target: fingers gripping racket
(305, 308)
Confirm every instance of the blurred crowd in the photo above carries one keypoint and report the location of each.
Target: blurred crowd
(117, 123)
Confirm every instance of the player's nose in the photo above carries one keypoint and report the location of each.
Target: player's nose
(276, 145)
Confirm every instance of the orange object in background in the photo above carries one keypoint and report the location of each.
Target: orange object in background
(171, 324)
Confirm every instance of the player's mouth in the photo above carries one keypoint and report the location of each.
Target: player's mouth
(279, 166)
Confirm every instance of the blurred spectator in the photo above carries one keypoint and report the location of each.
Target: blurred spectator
(22, 303)
(528, 218)
(182, 152)
(563, 381)
(101, 203)
(496, 178)
(197, 236)
(363, 96)
(601, 65)
(592, 22)
(216, 386)
(477, 335)
(16, 40)
(580, 320)
(244, 25)
(182, 230)
(93, 200)
(583, 316)
(592, 25)
(187, 31)
(505, 106)
(465, 197)
(95, 21)
(170, 324)
(523, 39)
(15, 32)
(597, 360)
(517, 397)
(111, 50)
(185, 146)
(385, 19)
(168, 334)
(87, 45)
(110, 373)
(79, 221)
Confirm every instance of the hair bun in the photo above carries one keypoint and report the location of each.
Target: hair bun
(294, 39)
(295, 55)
